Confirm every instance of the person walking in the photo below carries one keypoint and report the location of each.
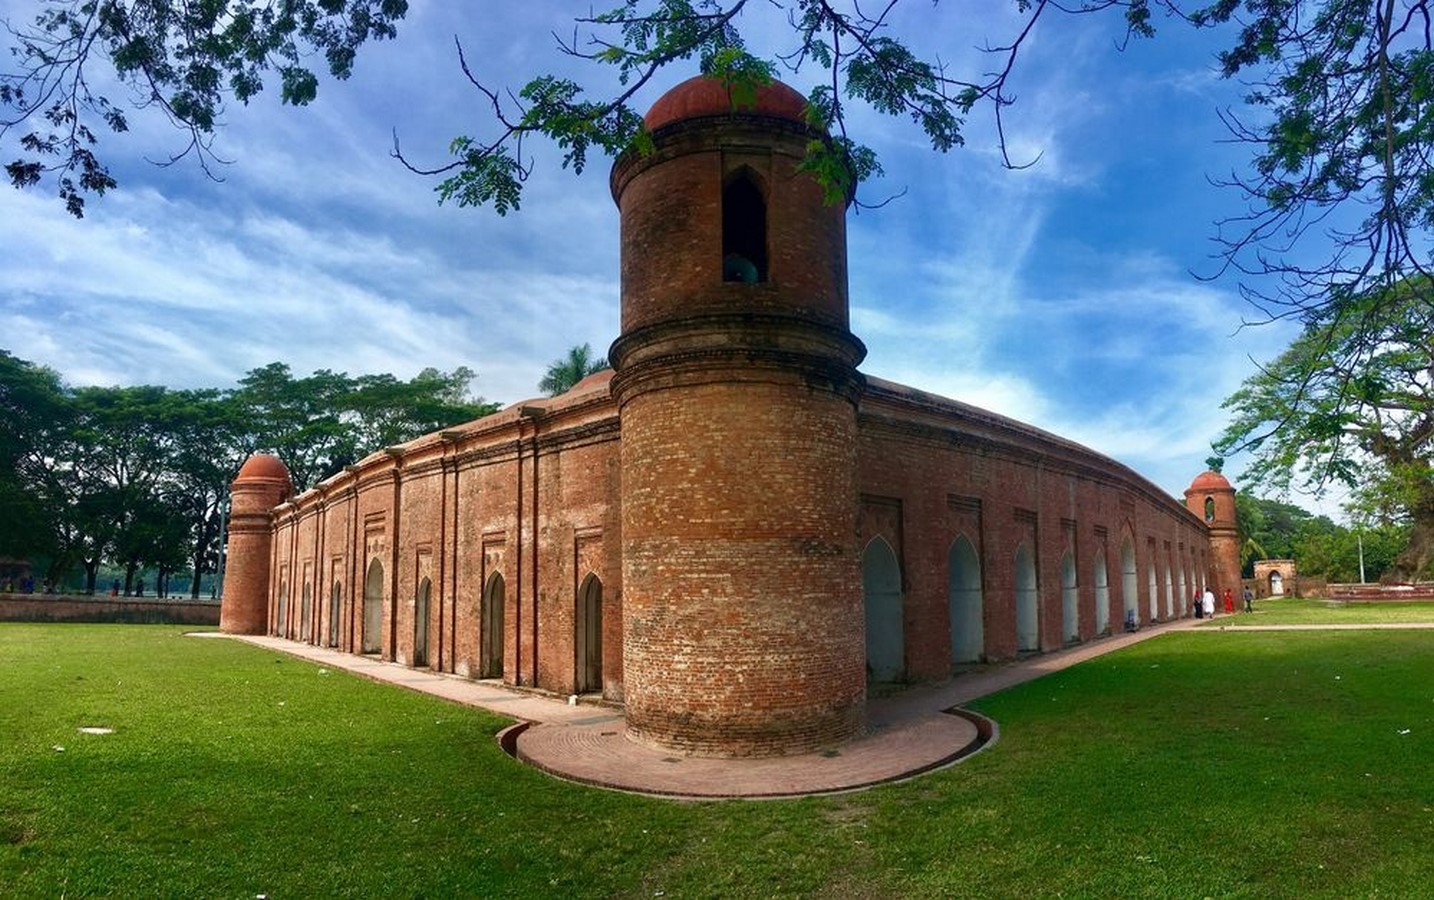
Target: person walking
(1208, 601)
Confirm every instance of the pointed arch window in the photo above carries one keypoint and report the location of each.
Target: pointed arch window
(744, 230)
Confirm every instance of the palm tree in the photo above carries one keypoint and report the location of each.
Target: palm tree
(569, 370)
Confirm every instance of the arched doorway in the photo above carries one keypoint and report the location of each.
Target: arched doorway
(1152, 586)
(587, 642)
(306, 614)
(964, 602)
(1169, 592)
(336, 608)
(491, 629)
(1102, 595)
(885, 621)
(420, 622)
(1129, 599)
(1028, 608)
(281, 622)
(490, 638)
(1070, 600)
(1277, 584)
(373, 608)
(1183, 594)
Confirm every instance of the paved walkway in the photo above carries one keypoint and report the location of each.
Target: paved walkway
(908, 733)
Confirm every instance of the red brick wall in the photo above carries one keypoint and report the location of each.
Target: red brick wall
(946, 469)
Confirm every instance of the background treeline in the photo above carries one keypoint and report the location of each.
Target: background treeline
(136, 479)
(1270, 529)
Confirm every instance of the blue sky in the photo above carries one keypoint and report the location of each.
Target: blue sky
(1061, 295)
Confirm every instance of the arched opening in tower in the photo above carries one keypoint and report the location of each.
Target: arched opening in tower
(744, 231)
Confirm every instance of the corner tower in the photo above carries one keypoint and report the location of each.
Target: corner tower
(263, 483)
(737, 387)
(1211, 497)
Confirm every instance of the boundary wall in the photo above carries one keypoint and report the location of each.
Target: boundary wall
(71, 608)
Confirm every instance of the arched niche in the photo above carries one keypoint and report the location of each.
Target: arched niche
(885, 618)
(421, 607)
(1129, 585)
(964, 602)
(490, 628)
(371, 639)
(587, 639)
(336, 606)
(1102, 594)
(1070, 600)
(1028, 611)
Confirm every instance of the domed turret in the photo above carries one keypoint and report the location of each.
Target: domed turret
(737, 389)
(1211, 497)
(263, 483)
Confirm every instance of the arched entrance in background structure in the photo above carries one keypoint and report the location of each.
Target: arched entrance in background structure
(306, 614)
(1277, 584)
(372, 608)
(1028, 609)
(1102, 594)
(336, 608)
(1129, 599)
(587, 641)
(490, 635)
(281, 622)
(420, 622)
(1070, 600)
(1183, 593)
(963, 597)
(885, 621)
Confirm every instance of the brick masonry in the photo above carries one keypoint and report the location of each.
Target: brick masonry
(735, 530)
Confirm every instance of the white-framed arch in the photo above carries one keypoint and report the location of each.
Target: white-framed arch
(1070, 600)
(964, 602)
(1102, 593)
(371, 639)
(1028, 605)
(884, 612)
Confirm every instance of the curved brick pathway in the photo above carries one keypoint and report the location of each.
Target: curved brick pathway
(907, 733)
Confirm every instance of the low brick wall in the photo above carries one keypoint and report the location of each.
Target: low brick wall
(1366, 593)
(71, 608)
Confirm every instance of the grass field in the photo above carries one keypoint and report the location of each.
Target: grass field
(1291, 764)
(1309, 611)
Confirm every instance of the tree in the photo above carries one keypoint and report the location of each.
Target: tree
(180, 60)
(386, 411)
(1352, 402)
(33, 410)
(565, 372)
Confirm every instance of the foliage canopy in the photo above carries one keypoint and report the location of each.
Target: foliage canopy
(138, 476)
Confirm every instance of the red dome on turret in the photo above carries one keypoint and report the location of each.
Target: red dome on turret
(263, 465)
(1210, 481)
(705, 96)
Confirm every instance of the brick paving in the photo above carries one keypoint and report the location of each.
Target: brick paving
(908, 733)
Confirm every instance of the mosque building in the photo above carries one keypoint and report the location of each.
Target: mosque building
(734, 532)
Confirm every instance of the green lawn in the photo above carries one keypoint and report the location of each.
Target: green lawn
(1290, 764)
(1309, 611)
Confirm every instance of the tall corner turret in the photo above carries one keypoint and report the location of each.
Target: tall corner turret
(1212, 498)
(737, 387)
(262, 484)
